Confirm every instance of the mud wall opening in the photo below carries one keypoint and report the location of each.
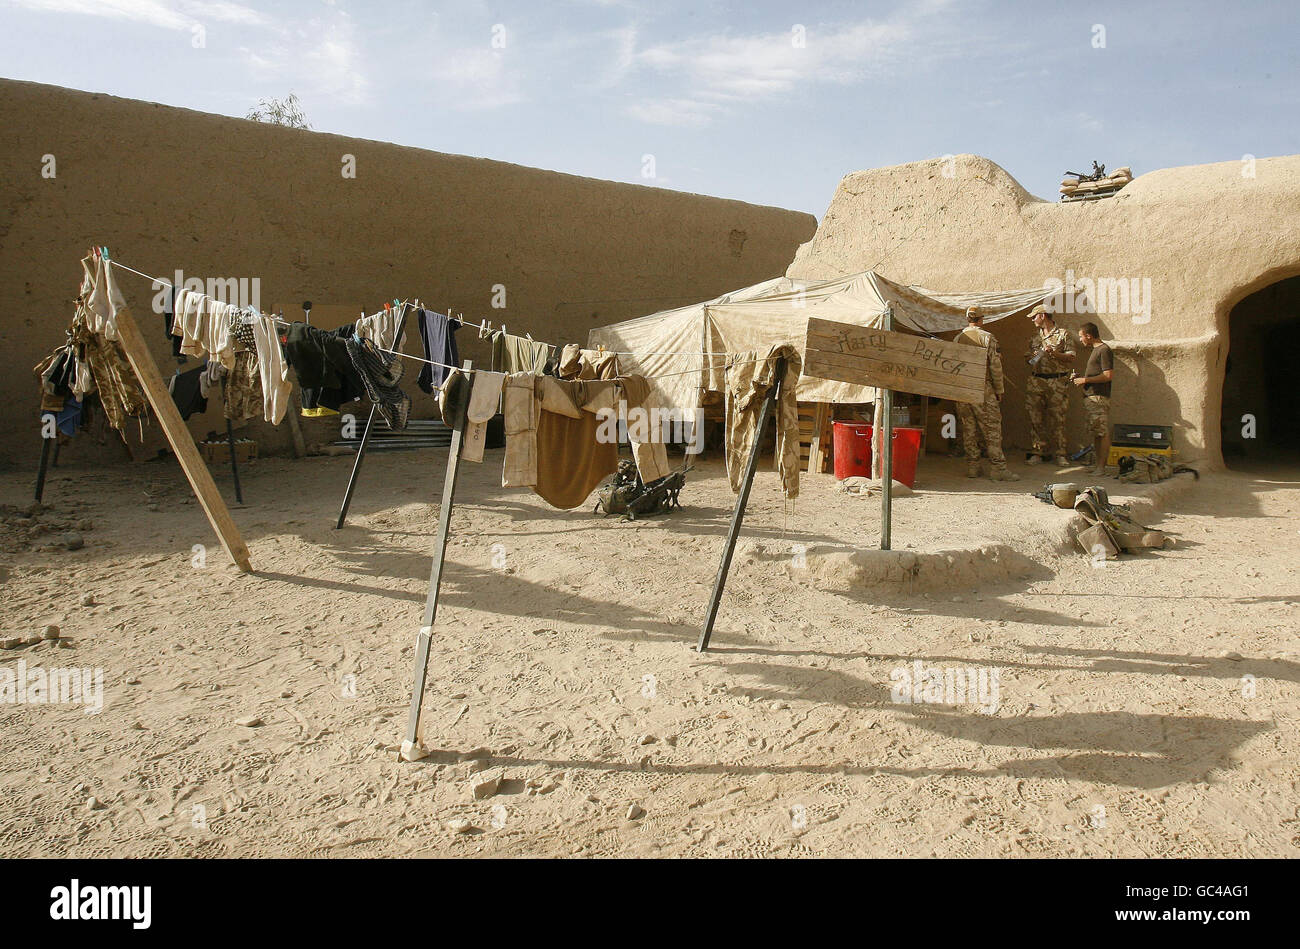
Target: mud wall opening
(1261, 412)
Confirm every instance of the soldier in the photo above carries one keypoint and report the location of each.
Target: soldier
(986, 416)
(1095, 380)
(1047, 393)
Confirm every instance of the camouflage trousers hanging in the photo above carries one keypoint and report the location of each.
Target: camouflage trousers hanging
(987, 418)
(119, 390)
(1045, 402)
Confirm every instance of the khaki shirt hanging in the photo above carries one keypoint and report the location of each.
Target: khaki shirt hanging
(749, 377)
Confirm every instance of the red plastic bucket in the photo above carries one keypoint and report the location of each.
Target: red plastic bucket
(852, 442)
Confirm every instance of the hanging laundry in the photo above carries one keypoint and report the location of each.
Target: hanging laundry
(58, 373)
(521, 409)
(325, 371)
(119, 390)
(213, 372)
(483, 400)
(205, 326)
(97, 295)
(382, 328)
(449, 395)
(749, 376)
(273, 371)
(380, 373)
(187, 389)
(561, 435)
(69, 419)
(169, 318)
(578, 363)
(645, 436)
(102, 366)
(241, 328)
(438, 333)
(516, 354)
(241, 396)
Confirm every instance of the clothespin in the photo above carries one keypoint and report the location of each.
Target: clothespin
(105, 253)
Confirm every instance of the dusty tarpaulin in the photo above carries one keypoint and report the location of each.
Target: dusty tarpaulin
(689, 345)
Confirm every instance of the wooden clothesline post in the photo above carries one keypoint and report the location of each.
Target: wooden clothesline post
(178, 435)
(738, 515)
(458, 407)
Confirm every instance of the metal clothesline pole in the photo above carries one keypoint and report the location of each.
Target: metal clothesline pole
(458, 408)
(738, 515)
(356, 468)
(45, 464)
(398, 340)
(887, 453)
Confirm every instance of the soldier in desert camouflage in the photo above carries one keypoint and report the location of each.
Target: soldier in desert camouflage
(1047, 393)
(986, 417)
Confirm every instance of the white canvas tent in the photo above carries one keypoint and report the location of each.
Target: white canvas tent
(686, 348)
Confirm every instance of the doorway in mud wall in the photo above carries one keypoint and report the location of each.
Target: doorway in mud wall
(1261, 383)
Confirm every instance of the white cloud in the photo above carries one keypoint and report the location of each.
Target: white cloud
(182, 15)
(316, 57)
(687, 113)
(474, 78)
(319, 56)
(724, 69)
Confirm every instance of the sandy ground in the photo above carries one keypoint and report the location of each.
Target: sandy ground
(1125, 722)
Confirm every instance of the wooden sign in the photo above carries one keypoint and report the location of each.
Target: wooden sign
(899, 361)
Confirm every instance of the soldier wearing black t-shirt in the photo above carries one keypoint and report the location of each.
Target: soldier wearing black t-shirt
(1095, 380)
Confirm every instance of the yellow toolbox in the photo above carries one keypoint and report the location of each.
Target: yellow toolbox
(1123, 451)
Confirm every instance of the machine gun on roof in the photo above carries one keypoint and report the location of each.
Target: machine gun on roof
(1098, 173)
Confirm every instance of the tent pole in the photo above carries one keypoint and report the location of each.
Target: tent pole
(356, 469)
(738, 515)
(459, 403)
(887, 453)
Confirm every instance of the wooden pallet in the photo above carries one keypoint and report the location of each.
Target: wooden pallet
(815, 436)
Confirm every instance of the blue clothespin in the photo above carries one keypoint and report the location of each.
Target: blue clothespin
(103, 251)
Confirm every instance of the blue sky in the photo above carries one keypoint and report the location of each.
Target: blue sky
(730, 99)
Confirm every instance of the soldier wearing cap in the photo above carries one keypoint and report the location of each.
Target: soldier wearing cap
(986, 417)
(1047, 393)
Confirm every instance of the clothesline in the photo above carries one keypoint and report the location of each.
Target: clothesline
(664, 375)
(462, 322)
(168, 283)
